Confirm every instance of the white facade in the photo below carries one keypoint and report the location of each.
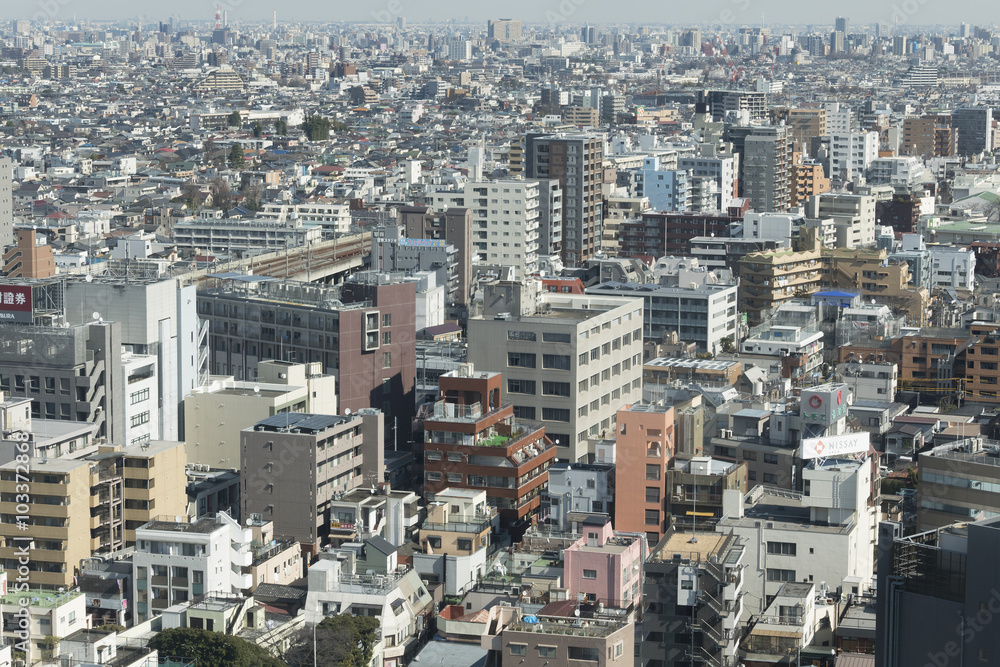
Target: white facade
(839, 119)
(139, 417)
(721, 170)
(331, 217)
(334, 588)
(771, 226)
(851, 154)
(158, 318)
(177, 561)
(824, 535)
(853, 217)
(505, 221)
(952, 267)
(50, 614)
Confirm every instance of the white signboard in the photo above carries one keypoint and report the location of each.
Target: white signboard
(835, 445)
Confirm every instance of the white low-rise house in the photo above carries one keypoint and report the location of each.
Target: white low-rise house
(395, 595)
(177, 560)
(332, 217)
(792, 621)
(870, 381)
(50, 614)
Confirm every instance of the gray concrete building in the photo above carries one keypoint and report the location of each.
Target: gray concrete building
(69, 373)
(975, 129)
(569, 361)
(575, 160)
(294, 465)
(6, 202)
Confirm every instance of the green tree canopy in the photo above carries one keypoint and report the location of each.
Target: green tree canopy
(258, 129)
(212, 649)
(341, 641)
(235, 119)
(281, 126)
(317, 128)
(236, 160)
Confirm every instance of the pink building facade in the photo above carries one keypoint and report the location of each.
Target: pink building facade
(604, 565)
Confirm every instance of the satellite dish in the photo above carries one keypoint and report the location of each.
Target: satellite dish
(347, 412)
(256, 389)
(89, 278)
(96, 315)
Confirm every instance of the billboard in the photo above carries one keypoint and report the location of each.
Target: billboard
(835, 445)
(15, 304)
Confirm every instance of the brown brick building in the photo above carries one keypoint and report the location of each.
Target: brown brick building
(472, 441)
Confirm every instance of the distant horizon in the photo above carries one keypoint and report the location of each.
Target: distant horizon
(728, 13)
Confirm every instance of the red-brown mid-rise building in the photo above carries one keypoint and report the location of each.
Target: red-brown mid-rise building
(644, 449)
(473, 442)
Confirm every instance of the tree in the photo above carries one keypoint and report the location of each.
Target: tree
(191, 193)
(252, 194)
(341, 641)
(211, 649)
(281, 126)
(222, 194)
(258, 129)
(235, 119)
(727, 344)
(317, 128)
(236, 160)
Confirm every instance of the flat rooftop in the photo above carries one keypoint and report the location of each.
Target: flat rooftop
(696, 546)
(203, 526)
(693, 364)
(298, 421)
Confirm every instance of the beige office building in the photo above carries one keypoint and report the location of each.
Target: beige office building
(88, 505)
(569, 361)
(215, 413)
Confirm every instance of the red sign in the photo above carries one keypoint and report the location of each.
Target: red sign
(15, 303)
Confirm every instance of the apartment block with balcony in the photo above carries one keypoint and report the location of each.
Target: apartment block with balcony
(273, 559)
(87, 505)
(569, 361)
(692, 601)
(176, 561)
(557, 636)
(474, 441)
(695, 489)
(456, 539)
(396, 596)
(644, 448)
(792, 624)
(359, 515)
(50, 614)
(772, 277)
(576, 161)
(659, 233)
(505, 221)
(295, 465)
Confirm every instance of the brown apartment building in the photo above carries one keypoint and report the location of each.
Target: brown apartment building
(928, 136)
(28, 259)
(644, 450)
(472, 441)
(773, 277)
(807, 180)
(942, 363)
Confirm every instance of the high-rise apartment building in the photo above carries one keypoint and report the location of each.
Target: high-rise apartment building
(575, 160)
(505, 221)
(30, 257)
(975, 129)
(6, 202)
(569, 361)
(767, 160)
(177, 561)
(504, 30)
(693, 602)
(454, 225)
(930, 136)
(850, 154)
(295, 465)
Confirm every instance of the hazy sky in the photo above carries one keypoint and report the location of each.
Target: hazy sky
(736, 12)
